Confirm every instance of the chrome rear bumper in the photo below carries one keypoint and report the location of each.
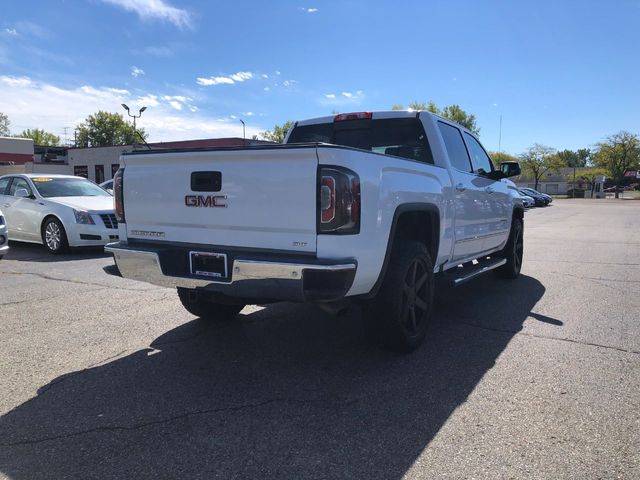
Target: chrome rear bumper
(253, 279)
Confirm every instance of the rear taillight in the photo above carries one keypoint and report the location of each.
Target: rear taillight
(118, 192)
(339, 201)
(352, 116)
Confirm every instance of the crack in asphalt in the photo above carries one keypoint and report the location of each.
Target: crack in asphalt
(162, 421)
(76, 282)
(43, 299)
(549, 337)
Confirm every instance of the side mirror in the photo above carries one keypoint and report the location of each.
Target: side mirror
(22, 193)
(510, 169)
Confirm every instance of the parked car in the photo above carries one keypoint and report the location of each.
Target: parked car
(547, 197)
(108, 186)
(4, 238)
(58, 211)
(540, 199)
(361, 207)
(527, 200)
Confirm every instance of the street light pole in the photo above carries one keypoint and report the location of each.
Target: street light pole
(244, 135)
(135, 139)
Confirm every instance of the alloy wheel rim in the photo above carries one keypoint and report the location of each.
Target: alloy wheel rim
(52, 236)
(415, 293)
(518, 250)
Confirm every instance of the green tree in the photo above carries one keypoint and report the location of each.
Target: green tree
(278, 133)
(617, 154)
(452, 112)
(569, 158)
(4, 125)
(590, 176)
(104, 129)
(501, 157)
(538, 160)
(40, 137)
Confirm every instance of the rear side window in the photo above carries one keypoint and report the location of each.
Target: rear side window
(4, 183)
(480, 159)
(455, 147)
(400, 137)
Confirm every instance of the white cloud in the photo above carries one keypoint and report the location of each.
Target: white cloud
(117, 91)
(31, 104)
(277, 72)
(241, 76)
(15, 81)
(248, 114)
(136, 72)
(264, 75)
(207, 82)
(11, 31)
(229, 80)
(345, 98)
(179, 98)
(175, 104)
(312, 10)
(155, 10)
(289, 83)
(148, 101)
(266, 89)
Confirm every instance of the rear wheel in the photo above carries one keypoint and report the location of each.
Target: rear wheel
(198, 305)
(54, 236)
(398, 317)
(513, 251)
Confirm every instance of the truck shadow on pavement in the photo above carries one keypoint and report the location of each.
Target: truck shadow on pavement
(285, 392)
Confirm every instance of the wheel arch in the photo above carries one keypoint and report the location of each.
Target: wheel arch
(411, 221)
(44, 221)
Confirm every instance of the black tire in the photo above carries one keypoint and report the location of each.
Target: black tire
(399, 316)
(202, 307)
(54, 236)
(513, 252)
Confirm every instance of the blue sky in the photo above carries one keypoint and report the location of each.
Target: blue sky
(561, 73)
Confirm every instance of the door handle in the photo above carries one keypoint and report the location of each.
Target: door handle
(460, 187)
(489, 189)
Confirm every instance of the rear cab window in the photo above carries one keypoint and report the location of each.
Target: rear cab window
(400, 137)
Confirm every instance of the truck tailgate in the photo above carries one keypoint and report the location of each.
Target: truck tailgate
(266, 198)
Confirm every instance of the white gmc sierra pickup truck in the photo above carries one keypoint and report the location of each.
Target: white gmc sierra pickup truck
(363, 207)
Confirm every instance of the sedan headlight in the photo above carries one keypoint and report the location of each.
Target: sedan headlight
(83, 217)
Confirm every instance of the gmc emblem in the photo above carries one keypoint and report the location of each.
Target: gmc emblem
(213, 201)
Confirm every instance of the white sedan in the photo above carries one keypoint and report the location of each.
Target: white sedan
(4, 239)
(58, 211)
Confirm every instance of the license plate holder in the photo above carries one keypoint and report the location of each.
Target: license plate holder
(208, 264)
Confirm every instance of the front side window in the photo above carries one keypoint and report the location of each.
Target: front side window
(479, 158)
(19, 183)
(454, 144)
(67, 187)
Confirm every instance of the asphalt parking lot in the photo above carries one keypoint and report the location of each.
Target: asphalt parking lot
(536, 378)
